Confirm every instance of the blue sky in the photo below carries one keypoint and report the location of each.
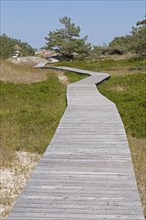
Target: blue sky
(101, 20)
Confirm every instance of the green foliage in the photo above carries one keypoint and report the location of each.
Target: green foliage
(122, 44)
(31, 113)
(136, 42)
(67, 41)
(7, 45)
(128, 93)
(95, 52)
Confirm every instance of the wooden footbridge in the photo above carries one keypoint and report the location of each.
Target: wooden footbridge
(86, 172)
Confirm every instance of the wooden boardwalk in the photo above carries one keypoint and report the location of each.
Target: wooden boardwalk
(86, 172)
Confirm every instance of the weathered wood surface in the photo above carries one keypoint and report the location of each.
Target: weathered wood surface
(40, 65)
(86, 171)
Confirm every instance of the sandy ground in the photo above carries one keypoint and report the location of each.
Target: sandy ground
(12, 180)
(29, 60)
(62, 78)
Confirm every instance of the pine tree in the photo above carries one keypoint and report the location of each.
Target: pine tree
(67, 41)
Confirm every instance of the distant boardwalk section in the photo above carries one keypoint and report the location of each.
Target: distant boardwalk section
(86, 172)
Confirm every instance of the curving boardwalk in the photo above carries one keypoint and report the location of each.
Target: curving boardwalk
(86, 172)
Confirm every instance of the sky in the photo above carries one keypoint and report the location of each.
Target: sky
(101, 20)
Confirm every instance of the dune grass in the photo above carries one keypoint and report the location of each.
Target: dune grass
(18, 73)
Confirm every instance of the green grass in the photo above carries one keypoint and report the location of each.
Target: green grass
(128, 93)
(30, 114)
(108, 65)
(74, 77)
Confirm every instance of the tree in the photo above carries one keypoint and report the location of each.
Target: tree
(122, 44)
(139, 38)
(7, 47)
(134, 42)
(67, 41)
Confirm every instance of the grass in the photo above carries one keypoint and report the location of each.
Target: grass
(74, 77)
(18, 73)
(138, 153)
(110, 65)
(29, 115)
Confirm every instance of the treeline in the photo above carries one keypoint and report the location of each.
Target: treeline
(135, 42)
(69, 45)
(7, 47)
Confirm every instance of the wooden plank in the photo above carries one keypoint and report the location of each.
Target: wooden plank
(40, 65)
(86, 171)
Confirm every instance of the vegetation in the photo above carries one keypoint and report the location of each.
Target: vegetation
(30, 114)
(74, 77)
(67, 41)
(7, 47)
(122, 44)
(21, 73)
(128, 92)
(110, 65)
(69, 46)
(135, 43)
(138, 38)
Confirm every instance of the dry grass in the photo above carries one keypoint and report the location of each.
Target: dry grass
(21, 74)
(138, 152)
(62, 78)
(7, 156)
(117, 88)
(118, 57)
(122, 72)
